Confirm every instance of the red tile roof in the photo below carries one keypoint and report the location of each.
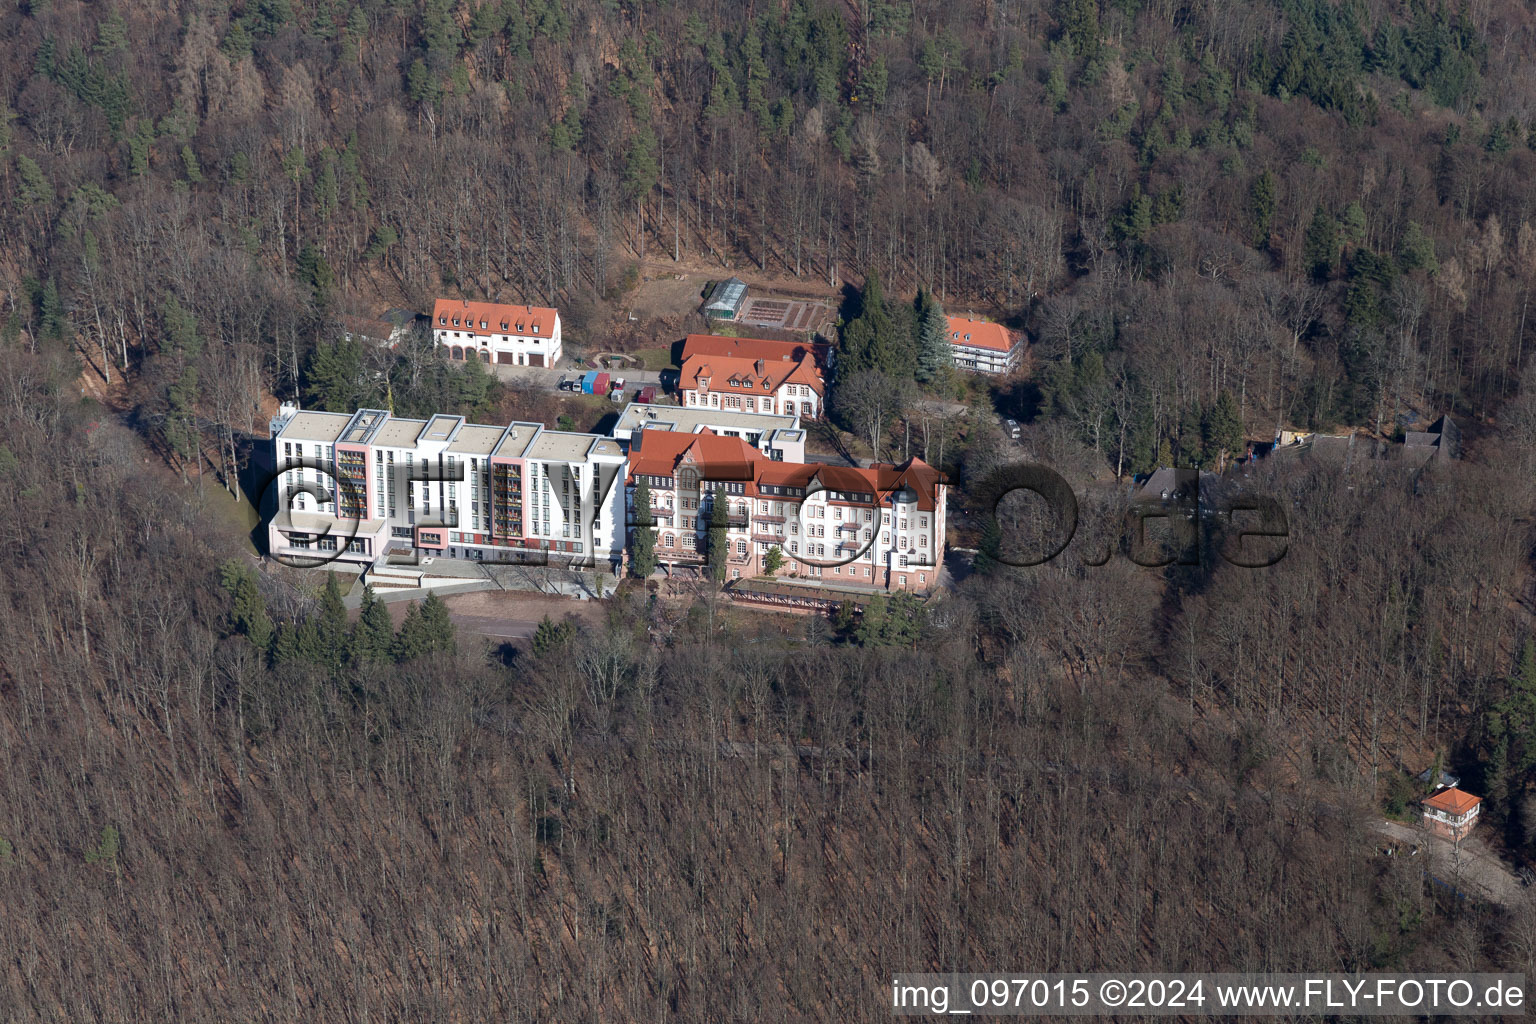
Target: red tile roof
(1452, 801)
(981, 334)
(487, 318)
(660, 452)
(731, 374)
(752, 348)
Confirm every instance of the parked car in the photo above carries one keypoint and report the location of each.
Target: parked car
(1011, 428)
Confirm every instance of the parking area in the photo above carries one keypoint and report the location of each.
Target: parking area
(551, 378)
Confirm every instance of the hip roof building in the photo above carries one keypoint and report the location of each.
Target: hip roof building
(984, 347)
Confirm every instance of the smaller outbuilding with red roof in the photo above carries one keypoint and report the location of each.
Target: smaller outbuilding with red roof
(1451, 813)
(984, 347)
(494, 332)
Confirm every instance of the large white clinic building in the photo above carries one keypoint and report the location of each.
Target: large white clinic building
(354, 488)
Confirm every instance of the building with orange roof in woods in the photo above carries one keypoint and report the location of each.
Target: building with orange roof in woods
(1451, 813)
(752, 385)
(757, 348)
(881, 526)
(984, 347)
(753, 375)
(493, 332)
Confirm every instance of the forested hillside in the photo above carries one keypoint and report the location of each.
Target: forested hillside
(220, 799)
(1320, 208)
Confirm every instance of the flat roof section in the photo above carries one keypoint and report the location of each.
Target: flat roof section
(560, 446)
(683, 420)
(441, 427)
(325, 427)
(519, 437)
(474, 439)
(364, 423)
(398, 433)
(291, 521)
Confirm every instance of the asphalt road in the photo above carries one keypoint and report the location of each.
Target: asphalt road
(496, 628)
(547, 377)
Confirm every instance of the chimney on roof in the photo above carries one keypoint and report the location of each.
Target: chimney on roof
(758, 366)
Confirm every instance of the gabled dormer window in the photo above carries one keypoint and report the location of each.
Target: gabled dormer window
(482, 325)
(442, 320)
(503, 325)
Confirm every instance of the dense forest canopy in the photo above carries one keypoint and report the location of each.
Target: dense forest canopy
(1320, 208)
(224, 797)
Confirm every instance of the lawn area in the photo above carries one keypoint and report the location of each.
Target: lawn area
(240, 515)
(658, 358)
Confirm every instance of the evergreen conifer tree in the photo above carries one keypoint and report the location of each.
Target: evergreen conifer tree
(719, 541)
(248, 610)
(330, 626)
(439, 627)
(642, 542)
(373, 635)
(410, 641)
(933, 348)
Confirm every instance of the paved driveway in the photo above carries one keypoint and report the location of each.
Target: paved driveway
(545, 377)
(1474, 867)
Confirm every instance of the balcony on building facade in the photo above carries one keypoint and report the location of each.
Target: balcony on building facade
(776, 520)
(768, 538)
